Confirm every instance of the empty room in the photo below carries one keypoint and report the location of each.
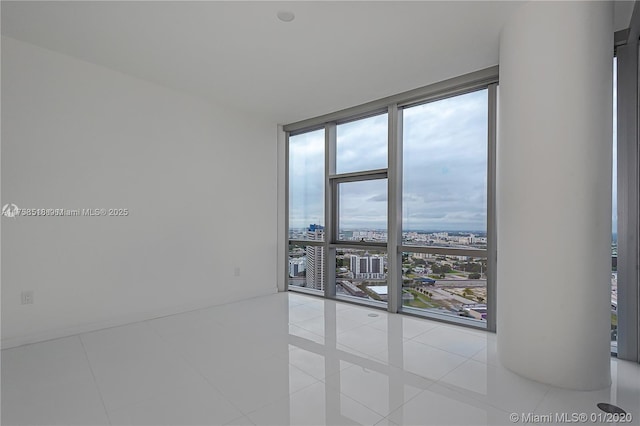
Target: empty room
(320, 212)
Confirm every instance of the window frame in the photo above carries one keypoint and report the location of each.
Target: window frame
(394, 106)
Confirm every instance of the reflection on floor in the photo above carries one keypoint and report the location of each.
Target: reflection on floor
(285, 359)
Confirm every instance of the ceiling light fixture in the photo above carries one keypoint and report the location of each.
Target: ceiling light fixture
(286, 16)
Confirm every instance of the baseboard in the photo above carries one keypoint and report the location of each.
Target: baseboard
(13, 342)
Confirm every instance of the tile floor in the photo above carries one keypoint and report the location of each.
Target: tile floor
(285, 359)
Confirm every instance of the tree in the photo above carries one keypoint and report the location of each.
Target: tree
(472, 267)
(441, 269)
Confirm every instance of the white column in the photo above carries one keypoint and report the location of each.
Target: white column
(554, 193)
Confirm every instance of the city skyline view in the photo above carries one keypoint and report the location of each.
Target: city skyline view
(449, 284)
(454, 285)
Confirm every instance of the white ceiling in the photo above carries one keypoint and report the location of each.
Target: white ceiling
(332, 56)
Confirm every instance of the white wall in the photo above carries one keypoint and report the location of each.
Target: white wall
(199, 182)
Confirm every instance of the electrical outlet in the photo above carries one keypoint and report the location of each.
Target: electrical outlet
(236, 271)
(27, 297)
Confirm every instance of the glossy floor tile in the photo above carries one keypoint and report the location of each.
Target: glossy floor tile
(50, 383)
(284, 359)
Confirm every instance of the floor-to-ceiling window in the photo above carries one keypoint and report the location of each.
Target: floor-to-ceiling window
(359, 208)
(444, 223)
(306, 177)
(389, 203)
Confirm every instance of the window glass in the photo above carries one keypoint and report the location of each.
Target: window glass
(361, 274)
(306, 266)
(362, 145)
(306, 183)
(363, 211)
(445, 172)
(454, 285)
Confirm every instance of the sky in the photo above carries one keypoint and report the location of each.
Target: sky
(445, 164)
(306, 179)
(444, 176)
(444, 173)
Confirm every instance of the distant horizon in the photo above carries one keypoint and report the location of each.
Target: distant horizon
(614, 235)
(468, 231)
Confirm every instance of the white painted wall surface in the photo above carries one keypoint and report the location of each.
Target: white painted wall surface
(199, 182)
(554, 193)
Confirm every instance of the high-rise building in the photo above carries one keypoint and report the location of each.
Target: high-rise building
(315, 258)
(367, 266)
(297, 265)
